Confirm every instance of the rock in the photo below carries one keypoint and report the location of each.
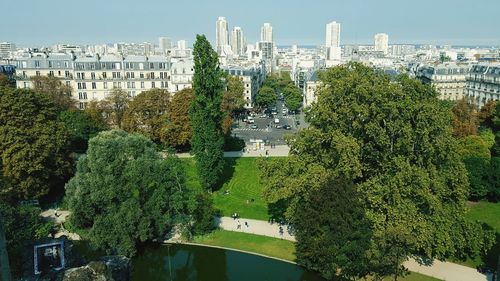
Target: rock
(110, 268)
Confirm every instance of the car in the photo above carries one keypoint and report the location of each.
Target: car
(263, 115)
(278, 126)
(276, 120)
(250, 120)
(254, 126)
(287, 127)
(284, 110)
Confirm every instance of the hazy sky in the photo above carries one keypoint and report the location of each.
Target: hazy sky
(45, 22)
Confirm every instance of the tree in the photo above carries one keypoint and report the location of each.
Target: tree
(233, 101)
(81, 127)
(487, 113)
(97, 112)
(205, 114)
(5, 81)
(266, 97)
(177, 131)
(125, 194)
(146, 114)
(293, 97)
(53, 88)
(393, 141)
(33, 143)
(338, 216)
(465, 121)
(114, 106)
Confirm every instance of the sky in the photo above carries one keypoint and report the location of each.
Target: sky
(45, 22)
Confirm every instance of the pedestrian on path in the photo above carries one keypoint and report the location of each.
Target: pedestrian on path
(239, 225)
(246, 224)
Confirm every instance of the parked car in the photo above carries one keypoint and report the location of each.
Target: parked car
(278, 126)
(254, 126)
(276, 120)
(251, 120)
(287, 127)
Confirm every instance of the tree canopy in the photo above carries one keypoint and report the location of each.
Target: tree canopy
(293, 97)
(33, 142)
(55, 90)
(146, 113)
(266, 97)
(124, 193)
(392, 141)
(113, 107)
(177, 131)
(81, 127)
(205, 113)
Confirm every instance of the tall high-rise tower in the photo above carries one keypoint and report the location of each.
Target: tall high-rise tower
(266, 33)
(332, 41)
(221, 36)
(238, 44)
(382, 43)
(164, 43)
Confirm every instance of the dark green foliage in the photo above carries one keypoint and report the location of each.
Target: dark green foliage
(266, 97)
(22, 226)
(335, 240)
(81, 127)
(293, 97)
(125, 194)
(206, 116)
(33, 143)
(393, 140)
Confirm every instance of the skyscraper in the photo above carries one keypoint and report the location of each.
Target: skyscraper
(164, 43)
(382, 43)
(238, 44)
(221, 36)
(266, 33)
(332, 41)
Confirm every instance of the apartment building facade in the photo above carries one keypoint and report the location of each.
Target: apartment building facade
(483, 83)
(449, 79)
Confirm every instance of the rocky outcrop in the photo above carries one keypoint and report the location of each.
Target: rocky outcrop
(110, 268)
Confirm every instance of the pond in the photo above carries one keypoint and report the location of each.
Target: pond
(187, 262)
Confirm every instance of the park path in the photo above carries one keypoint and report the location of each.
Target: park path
(441, 270)
(278, 151)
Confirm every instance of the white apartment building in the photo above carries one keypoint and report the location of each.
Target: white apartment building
(483, 83)
(266, 33)
(222, 37)
(7, 49)
(311, 88)
(164, 43)
(181, 76)
(332, 41)
(238, 44)
(93, 77)
(382, 43)
(449, 79)
(253, 77)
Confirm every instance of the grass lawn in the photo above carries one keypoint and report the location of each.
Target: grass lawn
(268, 246)
(272, 247)
(488, 213)
(241, 179)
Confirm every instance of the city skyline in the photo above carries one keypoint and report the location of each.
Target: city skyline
(292, 25)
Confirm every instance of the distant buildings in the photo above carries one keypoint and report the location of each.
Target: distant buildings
(238, 42)
(266, 33)
(6, 50)
(449, 79)
(382, 43)
(222, 37)
(332, 41)
(483, 83)
(266, 46)
(252, 76)
(164, 44)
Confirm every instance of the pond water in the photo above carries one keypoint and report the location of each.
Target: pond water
(187, 262)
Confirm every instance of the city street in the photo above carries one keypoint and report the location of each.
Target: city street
(266, 127)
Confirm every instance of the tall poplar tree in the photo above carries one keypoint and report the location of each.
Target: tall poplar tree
(205, 113)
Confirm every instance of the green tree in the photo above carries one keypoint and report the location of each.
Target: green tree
(177, 131)
(97, 112)
(54, 88)
(293, 97)
(146, 113)
(487, 113)
(206, 117)
(81, 127)
(393, 141)
(465, 121)
(114, 106)
(5, 81)
(266, 97)
(33, 143)
(125, 194)
(233, 101)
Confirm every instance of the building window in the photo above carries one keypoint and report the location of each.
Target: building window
(81, 105)
(104, 75)
(105, 85)
(141, 75)
(37, 73)
(152, 75)
(82, 95)
(152, 84)
(92, 75)
(37, 63)
(142, 84)
(94, 86)
(68, 83)
(51, 73)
